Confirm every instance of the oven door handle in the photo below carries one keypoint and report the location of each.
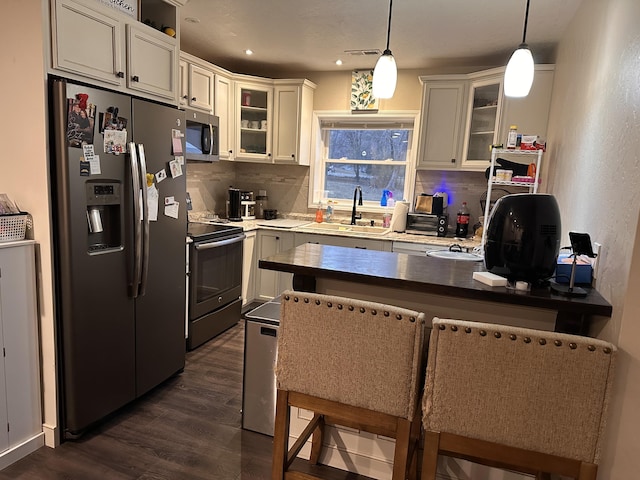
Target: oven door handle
(221, 243)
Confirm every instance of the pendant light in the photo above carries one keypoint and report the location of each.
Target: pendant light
(518, 76)
(385, 74)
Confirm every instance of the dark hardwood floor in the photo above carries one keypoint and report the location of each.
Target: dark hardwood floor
(187, 428)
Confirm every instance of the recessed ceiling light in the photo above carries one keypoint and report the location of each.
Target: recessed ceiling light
(248, 51)
(338, 62)
(192, 20)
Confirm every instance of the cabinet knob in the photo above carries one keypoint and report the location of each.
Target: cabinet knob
(268, 155)
(120, 74)
(184, 97)
(293, 155)
(135, 78)
(230, 151)
(193, 99)
(453, 160)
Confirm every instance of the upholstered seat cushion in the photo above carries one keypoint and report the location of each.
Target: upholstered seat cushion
(366, 356)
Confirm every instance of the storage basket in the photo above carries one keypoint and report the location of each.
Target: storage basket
(13, 226)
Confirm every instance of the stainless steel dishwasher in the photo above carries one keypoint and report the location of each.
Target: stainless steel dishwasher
(259, 382)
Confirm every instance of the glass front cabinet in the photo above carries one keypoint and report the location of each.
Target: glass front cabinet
(483, 122)
(254, 122)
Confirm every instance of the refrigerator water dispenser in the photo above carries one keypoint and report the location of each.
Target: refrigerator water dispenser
(103, 216)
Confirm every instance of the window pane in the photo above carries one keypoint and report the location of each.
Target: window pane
(367, 145)
(342, 178)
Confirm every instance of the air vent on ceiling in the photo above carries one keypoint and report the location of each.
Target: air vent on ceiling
(369, 51)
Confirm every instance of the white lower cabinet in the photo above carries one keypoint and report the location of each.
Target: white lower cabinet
(269, 283)
(342, 241)
(20, 403)
(248, 272)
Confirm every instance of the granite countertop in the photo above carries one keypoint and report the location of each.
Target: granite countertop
(299, 224)
(422, 274)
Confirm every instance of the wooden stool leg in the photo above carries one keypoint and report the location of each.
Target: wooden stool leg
(588, 471)
(280, 436)
(430, 456)
(403, 445)
(316, 442)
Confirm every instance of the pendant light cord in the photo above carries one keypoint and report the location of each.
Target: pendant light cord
(389, 24)
(524, 32)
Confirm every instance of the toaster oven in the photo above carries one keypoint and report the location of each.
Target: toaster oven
(427, 224)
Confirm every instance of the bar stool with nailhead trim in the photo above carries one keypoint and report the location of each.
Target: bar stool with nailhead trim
(352, 363)
(515, 398)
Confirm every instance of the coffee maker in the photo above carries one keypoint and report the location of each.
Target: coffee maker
(234, 205)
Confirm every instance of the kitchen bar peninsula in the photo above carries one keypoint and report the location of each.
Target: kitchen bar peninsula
(438, 287)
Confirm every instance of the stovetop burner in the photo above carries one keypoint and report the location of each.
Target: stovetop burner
(210, 231)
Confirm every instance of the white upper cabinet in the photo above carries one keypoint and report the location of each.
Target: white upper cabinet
(463, 115)
(196, 87)
(152, 57)
(88, 42)
(111, 49)
(254, 114)
(483, 117)
(441, 123)
(293, 110)
(224, 109)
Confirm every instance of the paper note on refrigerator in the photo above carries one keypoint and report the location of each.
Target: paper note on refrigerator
(172, 210)
(94, 165)
(152, 203)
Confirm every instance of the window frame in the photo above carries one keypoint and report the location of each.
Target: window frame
(391, 119)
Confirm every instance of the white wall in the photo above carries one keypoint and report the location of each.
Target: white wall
(594, 173)
(23, 161)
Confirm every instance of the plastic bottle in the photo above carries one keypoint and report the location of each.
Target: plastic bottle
(385, 197)
(319, 215)
(390, 201)
(462, 222)
(329, 213)
(512, 137)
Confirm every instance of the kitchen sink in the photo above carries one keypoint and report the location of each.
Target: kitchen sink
(341, 227)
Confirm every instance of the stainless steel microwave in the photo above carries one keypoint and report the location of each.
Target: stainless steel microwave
(202, 135)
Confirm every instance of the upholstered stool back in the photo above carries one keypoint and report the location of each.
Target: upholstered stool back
(537, 391)
(358, 353)
(352, 363)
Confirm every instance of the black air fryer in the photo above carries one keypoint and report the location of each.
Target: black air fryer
(523, 237)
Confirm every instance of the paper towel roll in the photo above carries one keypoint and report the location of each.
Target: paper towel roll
(399, 217)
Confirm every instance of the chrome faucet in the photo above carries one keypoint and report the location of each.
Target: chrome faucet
(355, 217)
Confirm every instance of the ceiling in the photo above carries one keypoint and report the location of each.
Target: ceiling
(293, 36)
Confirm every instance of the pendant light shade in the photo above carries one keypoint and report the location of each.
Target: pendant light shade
(518, 76)
(385, 74)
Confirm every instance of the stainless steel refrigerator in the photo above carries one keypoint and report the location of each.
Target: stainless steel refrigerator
(120, 271)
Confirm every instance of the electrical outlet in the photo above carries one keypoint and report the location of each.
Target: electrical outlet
(597, 249)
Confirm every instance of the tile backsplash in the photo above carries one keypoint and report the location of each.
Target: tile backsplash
(287, 186)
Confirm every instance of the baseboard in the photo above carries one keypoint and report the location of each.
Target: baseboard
(21, 450)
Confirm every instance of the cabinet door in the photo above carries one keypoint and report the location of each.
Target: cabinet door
(441, 125)
(269, 283)
(20, 336)
(200, 88)
(183, 96)
(343, 241)
(253, 123)
(483, 117)
(286, 128)
(152, 62)
(224, 109)
(248, 270)
(87, 42)
(531, 113)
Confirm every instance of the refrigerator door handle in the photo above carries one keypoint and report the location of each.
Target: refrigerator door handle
(137, 221)
(145, 220)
